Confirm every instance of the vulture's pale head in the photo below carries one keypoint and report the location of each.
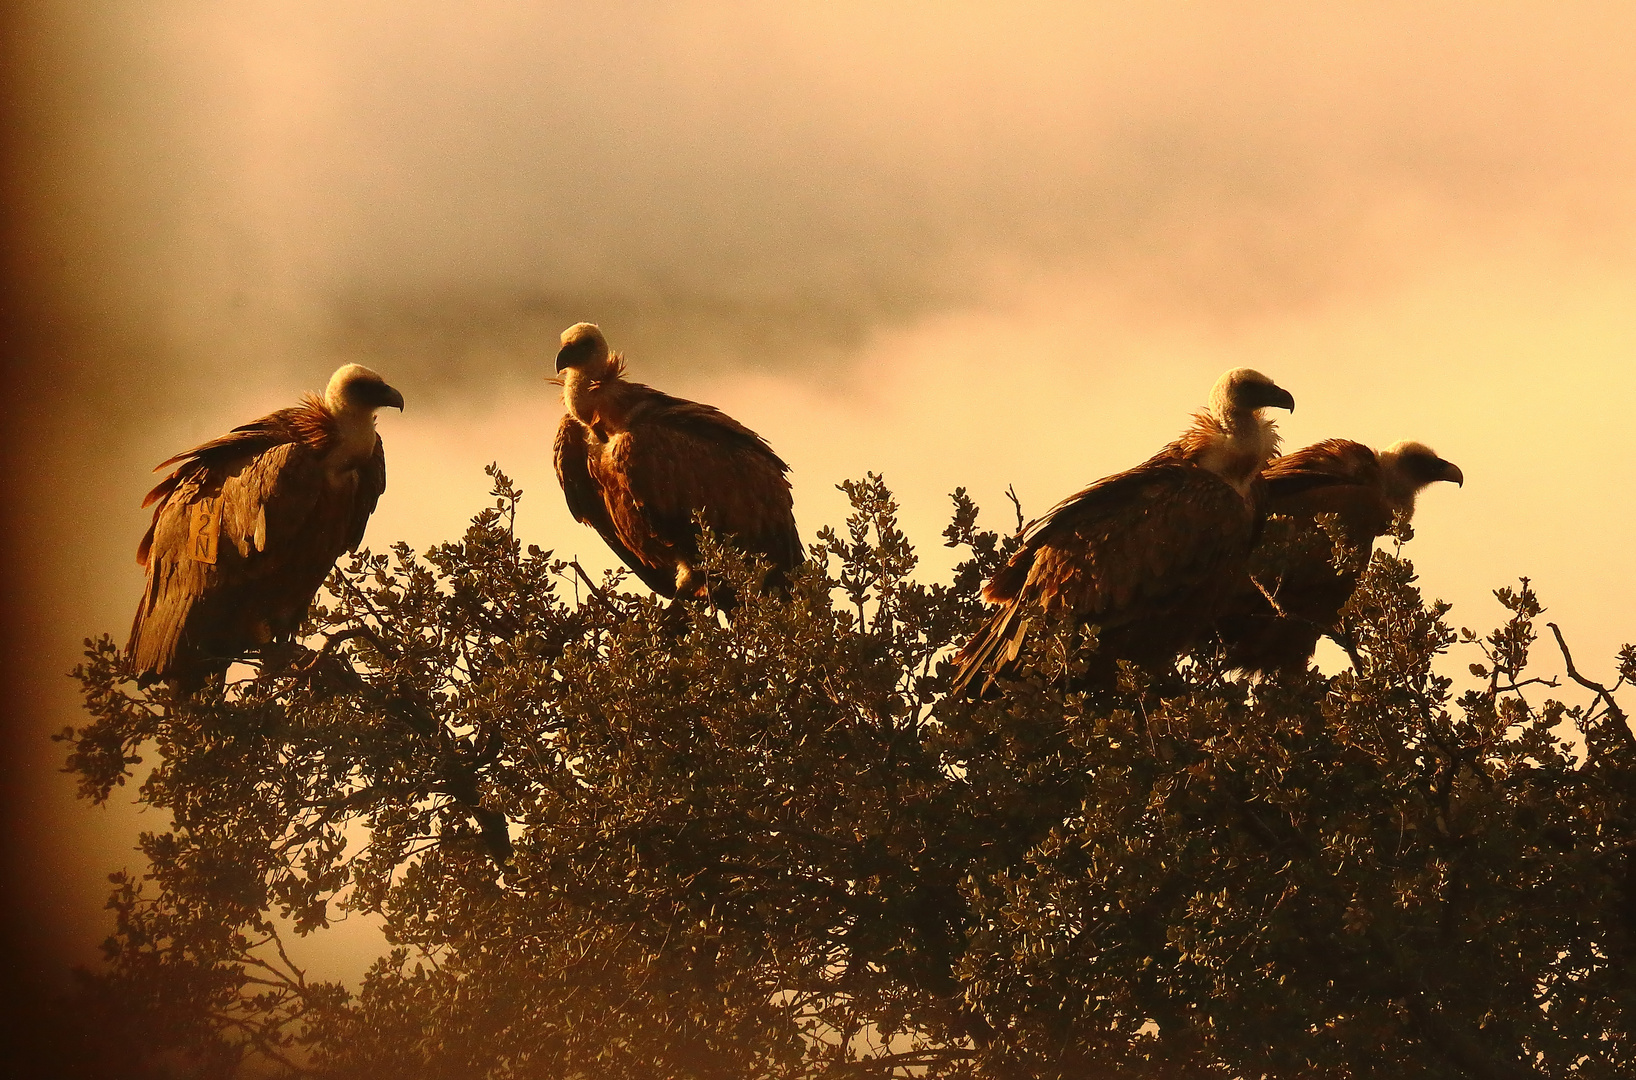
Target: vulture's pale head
(1409, 466)
(356, 389)
(583, 348)
(1244, 390)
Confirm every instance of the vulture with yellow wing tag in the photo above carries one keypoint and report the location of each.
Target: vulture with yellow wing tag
(1293, 591)
(247, 527)
(635, 464)
(1147, 556)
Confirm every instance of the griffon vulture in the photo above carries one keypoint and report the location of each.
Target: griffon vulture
(247, 527)
(1364, 489)
(1146, 555)
(635, 464)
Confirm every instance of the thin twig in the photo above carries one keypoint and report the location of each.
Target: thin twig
(1016, 505)
(1516, 687)
(589, 584)
(1271, 600)
(363, 596)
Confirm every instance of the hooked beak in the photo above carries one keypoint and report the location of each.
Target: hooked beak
(562, 359)
(1452, 473)
(1276, 397)
(392, 397)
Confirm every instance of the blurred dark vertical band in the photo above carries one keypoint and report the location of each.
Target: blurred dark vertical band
(42, 367)
(23, 333)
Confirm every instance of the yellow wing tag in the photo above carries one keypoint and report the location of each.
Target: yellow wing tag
(204, 528)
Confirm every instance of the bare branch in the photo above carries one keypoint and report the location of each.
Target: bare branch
(1615, 714)
(596, 590)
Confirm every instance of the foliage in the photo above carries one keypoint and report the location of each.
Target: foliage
(607, 839)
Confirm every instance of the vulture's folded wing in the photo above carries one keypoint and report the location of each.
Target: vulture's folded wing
(1160, 542)
(1331, 463)
(1132, 546)
(682, 456)
(202, 469)
(226, 504)
(589, 506)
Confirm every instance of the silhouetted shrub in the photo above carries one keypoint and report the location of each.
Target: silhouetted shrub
(606, 840)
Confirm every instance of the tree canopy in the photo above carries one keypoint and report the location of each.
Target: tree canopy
(605, 838)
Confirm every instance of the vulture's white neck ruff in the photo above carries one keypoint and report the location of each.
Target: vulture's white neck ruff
(577, 392)
(1253, 433)
(1243, 441)
(1399, 488)
(354, 437)
(583, 391)
(1238, 452)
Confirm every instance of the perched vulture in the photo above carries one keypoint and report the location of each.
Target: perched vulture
(1364, 489)
(247, 527)
(635, 464)
(1146, 555)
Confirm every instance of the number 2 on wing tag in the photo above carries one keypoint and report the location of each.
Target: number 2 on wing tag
(203, 530)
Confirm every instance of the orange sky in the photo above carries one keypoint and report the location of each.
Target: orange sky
(988, 246)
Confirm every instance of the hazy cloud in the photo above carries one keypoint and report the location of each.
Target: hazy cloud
(291, 183)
